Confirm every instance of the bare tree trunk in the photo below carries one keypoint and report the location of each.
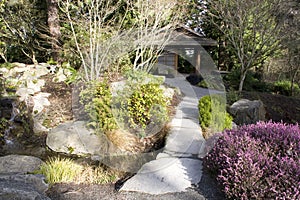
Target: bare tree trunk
(293, 81)
(242, 79)
(54, 27)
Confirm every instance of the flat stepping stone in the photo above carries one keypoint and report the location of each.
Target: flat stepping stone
(165, 175)
(184, 141)
(185, 123)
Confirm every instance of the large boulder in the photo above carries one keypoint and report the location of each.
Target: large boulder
(19, 164)
(23, 186)
(76, 138)
(245, 111)
(15, 183)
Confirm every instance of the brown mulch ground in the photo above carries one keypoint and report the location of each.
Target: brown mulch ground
(60, 109)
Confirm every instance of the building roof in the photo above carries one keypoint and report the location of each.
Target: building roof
(186, 37)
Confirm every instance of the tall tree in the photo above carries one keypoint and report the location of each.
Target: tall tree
(289, 18)
(54, 27)
(24, 30)
(2, 30)
(251, 28)
(102, 31)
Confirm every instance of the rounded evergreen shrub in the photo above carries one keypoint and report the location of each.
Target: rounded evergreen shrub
(258, 161)
(212, 113)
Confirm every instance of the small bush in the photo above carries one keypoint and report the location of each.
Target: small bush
(135, 78)
(284, 88)
(97, 99)
(258, 161)
(142, 103)
(212, 113)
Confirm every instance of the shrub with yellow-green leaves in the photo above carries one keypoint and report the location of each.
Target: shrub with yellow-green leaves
(97, 99)
(212, 114)
(139, 105)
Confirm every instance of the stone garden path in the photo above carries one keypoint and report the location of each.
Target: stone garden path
(179, 166)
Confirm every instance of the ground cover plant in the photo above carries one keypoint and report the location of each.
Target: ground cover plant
(258, 161)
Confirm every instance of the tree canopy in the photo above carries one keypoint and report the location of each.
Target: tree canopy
(250, 27)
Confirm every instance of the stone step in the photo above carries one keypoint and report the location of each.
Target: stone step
(185, 140)
(165, 175)
(185, 123)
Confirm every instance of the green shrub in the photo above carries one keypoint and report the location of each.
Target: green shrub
(213, 115)
(284, 88)
(71, 73)
(138, 105)
(137, 77)
(97, 99)
(142, 103)
(202, 84)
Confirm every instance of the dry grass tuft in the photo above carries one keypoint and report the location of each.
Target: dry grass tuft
(124, 140)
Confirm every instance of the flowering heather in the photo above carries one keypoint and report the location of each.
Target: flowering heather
(258, 161)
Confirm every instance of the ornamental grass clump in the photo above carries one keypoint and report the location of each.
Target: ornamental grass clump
(258, 161)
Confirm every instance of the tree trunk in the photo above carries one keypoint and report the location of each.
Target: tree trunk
(293, 82)
(54, 27)
(242, 79)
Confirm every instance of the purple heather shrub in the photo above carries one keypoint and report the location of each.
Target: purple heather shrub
(258, 161)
